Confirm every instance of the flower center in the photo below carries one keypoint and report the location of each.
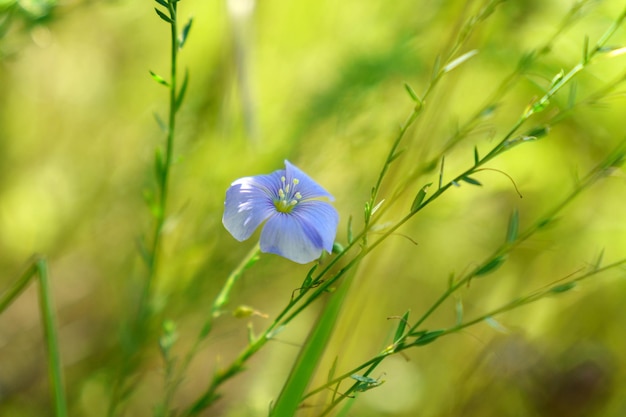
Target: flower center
(288, 197)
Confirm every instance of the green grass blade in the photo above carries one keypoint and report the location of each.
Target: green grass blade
(52, 340)
(310, 355)
(16, 289)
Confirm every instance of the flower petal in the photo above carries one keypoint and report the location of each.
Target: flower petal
(301, 235)
(249, 202)
(306, 186)
(322, 217)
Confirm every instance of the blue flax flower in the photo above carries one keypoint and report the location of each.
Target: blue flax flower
(298, 225)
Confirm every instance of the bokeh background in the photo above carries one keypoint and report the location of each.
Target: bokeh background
(319, 83)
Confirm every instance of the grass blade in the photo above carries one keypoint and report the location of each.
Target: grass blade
(52, 340)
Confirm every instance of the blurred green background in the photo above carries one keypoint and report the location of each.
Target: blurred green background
(319, 83)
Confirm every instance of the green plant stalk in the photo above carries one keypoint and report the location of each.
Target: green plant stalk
(310, 355)
(39, 267)
(163, 181)
(143, 311)
(52, 340)
(18, 286)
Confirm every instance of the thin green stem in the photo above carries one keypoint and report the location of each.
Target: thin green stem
(52, 340)
(38, 267)
(19, 286)
(139, 326)
(163, 180)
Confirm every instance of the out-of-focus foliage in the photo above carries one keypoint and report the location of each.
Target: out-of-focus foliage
(320, 83)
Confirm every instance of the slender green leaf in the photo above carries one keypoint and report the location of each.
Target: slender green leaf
(460, 60)
(395, 156)
(538, 132)
(558, 289)
(413, 94)
(349, 233)
(162, 3)
(490, 266)
(443, 160)
(302, 371)
(419, 198)
(401, 327)
(471, 180)
(52, 340)
(308, 281)
(185, 33)
(160, 122)
(182, 91)
(511, 233)
(17, 287)
(598, 262)
(164, 16)
(476, 157)
(159, 79)
(428, 337)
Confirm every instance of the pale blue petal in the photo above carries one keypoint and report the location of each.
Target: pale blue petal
(301, 235)
(323, 218)
(249, 202)
(287, 236)
(306, 186)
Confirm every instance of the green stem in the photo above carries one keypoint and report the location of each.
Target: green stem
(52, 340)
(163, 181)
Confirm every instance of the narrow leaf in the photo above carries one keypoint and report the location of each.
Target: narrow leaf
(466, 56)
(310, 355)
(306, 284)
(419, 198)
(182, 91)
(412, 93)
(401, 327)
(395, 155)
(538, 132)
(443, 160)
(160, 122)
(558, 289)
(162, 3)
(159, 79)
(511, 233)
(471, 180)
(349, 233)
(476, 157)
(428, 337)
(164, 16)
(598, 262)
(490, 266)
(377, 206)
(185, 33)
(48, 315)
